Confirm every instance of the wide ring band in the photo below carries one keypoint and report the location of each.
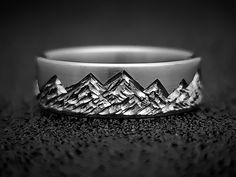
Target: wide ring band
(119, 81)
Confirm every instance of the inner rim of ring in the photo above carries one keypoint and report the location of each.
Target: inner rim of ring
(118, 54)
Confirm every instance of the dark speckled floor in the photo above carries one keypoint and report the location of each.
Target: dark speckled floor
(200, 143)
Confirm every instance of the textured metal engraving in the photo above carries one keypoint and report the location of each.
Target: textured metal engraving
(120, 95)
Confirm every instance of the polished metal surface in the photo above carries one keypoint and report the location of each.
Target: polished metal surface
(119, 80)
(145, 64)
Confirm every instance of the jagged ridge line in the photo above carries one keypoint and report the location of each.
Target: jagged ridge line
(104, 85)
(183, 82)
(105, 89)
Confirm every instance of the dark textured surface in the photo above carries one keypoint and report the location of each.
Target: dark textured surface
(199, 143)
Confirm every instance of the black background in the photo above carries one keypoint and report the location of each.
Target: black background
(28, 28)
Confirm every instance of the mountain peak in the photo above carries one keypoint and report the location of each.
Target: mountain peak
(88, 79)
(178, 91)
(51, 89)
(156, 86)
(122, 76)
(121, 86)
(126, 76)
(183, 83)
(196, 78)
(51, 81)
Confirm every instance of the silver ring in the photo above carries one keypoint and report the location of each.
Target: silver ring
(119, 81)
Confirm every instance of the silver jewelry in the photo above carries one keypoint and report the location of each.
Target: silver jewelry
(119, 81)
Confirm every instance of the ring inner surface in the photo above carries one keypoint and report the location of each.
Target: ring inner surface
(118, 54)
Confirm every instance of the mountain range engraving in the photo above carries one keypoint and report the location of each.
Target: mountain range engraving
(120, 95)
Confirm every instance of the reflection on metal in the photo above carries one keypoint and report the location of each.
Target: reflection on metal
(120, 95)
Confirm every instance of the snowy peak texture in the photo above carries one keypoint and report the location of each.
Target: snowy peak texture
(120, 95)
(51, 89)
